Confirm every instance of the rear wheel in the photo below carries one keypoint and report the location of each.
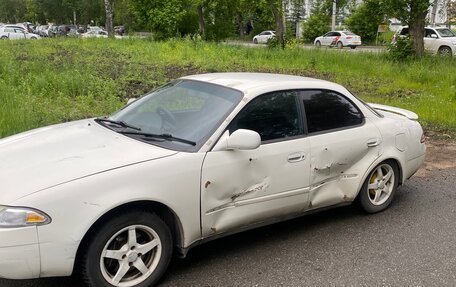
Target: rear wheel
(132, 249)
(4, 37)
(380, 187)
(340, 45)
(445, 51)
(353, 47)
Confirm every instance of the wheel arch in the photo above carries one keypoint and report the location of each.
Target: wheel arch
(374, 165)
(444, 46)
(162, 210)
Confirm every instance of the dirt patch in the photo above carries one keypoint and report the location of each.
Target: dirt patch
(440, 155)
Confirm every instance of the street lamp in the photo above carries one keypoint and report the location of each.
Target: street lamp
(334, 11)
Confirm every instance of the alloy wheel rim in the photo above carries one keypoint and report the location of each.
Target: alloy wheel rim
(130, 256)
(381, 184)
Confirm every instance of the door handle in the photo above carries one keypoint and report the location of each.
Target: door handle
(373, 142)
(296, 157)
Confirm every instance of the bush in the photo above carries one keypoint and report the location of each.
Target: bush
(401, 50)
(365, 20)
(317, 25)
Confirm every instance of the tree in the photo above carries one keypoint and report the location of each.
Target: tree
(365, 19)
(413, 13)
(277, 11)
(109, 17)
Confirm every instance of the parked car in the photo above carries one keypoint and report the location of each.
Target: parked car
(95, 34)
(338, 39)
(14, 32)
(264, 37)
(437, 40)
(119, 30)
(42, 30)
(202, 157)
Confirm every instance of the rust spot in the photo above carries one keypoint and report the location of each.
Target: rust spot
(213, 229)
(345, 197)
(207, 184)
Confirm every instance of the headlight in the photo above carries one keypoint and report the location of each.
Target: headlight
(22, 217)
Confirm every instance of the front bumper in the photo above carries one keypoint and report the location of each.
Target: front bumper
(19, 253)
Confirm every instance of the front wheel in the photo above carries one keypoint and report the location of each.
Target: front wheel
(380, 186)
(255, 41)
(445, 51)
(133, 249)
(318, 44)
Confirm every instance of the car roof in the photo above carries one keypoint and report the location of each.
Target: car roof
(246, 81)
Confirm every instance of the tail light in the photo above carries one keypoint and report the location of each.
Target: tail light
(349, 37)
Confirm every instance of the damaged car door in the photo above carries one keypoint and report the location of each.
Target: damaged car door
(343, 146)
(243, 187)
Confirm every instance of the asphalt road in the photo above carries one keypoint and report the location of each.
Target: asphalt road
(410, 244)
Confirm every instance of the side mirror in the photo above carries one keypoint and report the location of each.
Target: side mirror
(131, 100)
(239, 140)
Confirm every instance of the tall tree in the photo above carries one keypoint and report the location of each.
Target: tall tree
(413, 13)
(277, 10)
(109, 17)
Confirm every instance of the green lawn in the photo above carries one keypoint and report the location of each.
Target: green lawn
(54, 80)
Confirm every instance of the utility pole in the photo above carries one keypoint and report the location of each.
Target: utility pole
(333, 24)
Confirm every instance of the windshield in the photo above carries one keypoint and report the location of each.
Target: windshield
(184, 110)
(446, 33)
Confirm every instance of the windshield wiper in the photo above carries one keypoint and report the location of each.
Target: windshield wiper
(119, 123)
(160, 136)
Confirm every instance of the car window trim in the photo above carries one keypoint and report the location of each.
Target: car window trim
(309, 134)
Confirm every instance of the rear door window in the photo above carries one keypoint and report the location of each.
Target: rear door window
(328, 110)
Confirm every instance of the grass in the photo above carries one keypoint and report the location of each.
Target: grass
(55, 80)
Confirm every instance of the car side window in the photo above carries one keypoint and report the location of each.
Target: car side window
(429, 33)
(274, 116)
(327, 110)
(336, 34)
(329, 34)
(9, 30)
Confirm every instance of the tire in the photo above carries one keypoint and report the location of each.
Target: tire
(4, 38)
(340, 45)
(129, 241)
(255, 41)
(376, 195)
(445, 51)
(318, 44)
(353, 47)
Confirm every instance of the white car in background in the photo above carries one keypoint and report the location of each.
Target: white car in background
(202, 157)
(338, 39)
(264, 37)
(16, 32)
(437, 40)
(95, 34)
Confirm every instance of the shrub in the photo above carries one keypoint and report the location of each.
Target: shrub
(317, 25)
(401, 50)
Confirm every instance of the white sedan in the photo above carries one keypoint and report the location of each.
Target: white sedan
(338, 39)
(202, 157)
(15, 32)
(264, 37)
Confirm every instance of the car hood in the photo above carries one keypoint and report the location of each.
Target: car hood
(46, 157)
